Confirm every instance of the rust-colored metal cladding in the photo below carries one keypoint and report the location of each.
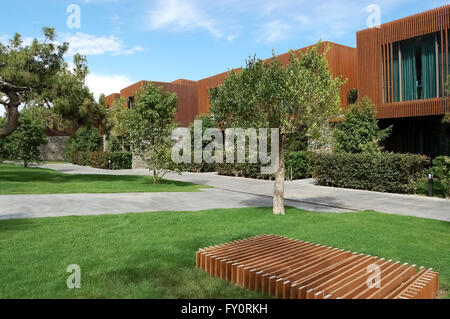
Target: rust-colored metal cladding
(186, 92)
(111, 98)
(293, 269)
(378, 50)
(342, 61)
(184, 81)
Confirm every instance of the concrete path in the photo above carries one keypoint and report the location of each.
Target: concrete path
(229, 192)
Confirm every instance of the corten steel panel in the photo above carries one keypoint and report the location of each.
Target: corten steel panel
(342, 62)
(111, 98)
(184, 81)
(292, 269)
(375, 45)
(187, 98)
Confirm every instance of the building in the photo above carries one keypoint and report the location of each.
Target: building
(402, 66)
(186, 91)
(193, 96)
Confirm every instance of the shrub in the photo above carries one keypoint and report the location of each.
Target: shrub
(383, 172)
(359, 132)
(78, 158)
(441, 170)
(99, 159)
(85, 139)
(297, 166)
(121, 160)
(23, 144)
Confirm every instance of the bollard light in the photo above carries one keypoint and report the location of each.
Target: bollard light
(430, 185)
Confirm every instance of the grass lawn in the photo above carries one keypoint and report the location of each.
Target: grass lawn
(18, 180)
(152, 255)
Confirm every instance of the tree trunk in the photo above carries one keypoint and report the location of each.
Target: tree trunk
(12, 113)
(278, 193)
(155, 177)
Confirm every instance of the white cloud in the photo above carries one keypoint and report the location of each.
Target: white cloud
(89, 44)
(274, 31)
(106, 84)
(179, 15)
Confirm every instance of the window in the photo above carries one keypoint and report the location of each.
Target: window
(416, 71)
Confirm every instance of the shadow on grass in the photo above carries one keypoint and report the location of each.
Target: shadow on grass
(11, 173)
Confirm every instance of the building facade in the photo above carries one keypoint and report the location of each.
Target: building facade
(402, 66)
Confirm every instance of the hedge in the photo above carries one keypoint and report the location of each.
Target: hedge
(441, 171)
(98, 159)
(383, 172)
(78, 158)
(296, 168)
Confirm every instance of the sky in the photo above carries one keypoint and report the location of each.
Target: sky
(126, 41)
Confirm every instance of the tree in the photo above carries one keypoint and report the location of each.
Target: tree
(118, 119)
(299, 99)
(23, 144)
(150, 126)
(359, 132)
(37, 74)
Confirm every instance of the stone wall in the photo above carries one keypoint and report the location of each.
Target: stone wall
(54, 150)
(137, 162)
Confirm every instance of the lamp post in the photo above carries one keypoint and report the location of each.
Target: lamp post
(430, 185)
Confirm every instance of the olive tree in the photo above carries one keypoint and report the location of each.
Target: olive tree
(298, 99)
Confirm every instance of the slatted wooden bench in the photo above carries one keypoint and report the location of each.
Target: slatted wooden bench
(293, 269)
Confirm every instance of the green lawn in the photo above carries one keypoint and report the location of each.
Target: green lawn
(152, 255)
(18, 180)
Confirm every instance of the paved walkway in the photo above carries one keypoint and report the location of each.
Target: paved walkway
(229, 192)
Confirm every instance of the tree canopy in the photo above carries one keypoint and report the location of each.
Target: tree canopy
(299, 99)
(36, 73)
(149, 125)
(359, 132)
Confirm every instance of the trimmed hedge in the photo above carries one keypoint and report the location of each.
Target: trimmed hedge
(98, 159)
(441, 170)
(121, 160)
(78, 158)
(296, 163)
(383, 172)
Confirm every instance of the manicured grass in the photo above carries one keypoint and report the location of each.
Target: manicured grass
(18, 180)
(152, 255)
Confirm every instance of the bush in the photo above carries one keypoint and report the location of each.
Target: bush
(23, 144)
(85, 139)
(121, 160)
(78, 158)
(383, 172)
(441, 170)
(296, 168)
(99, 159)
(358, 132)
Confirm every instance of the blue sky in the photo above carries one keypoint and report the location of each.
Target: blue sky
(163, 40)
